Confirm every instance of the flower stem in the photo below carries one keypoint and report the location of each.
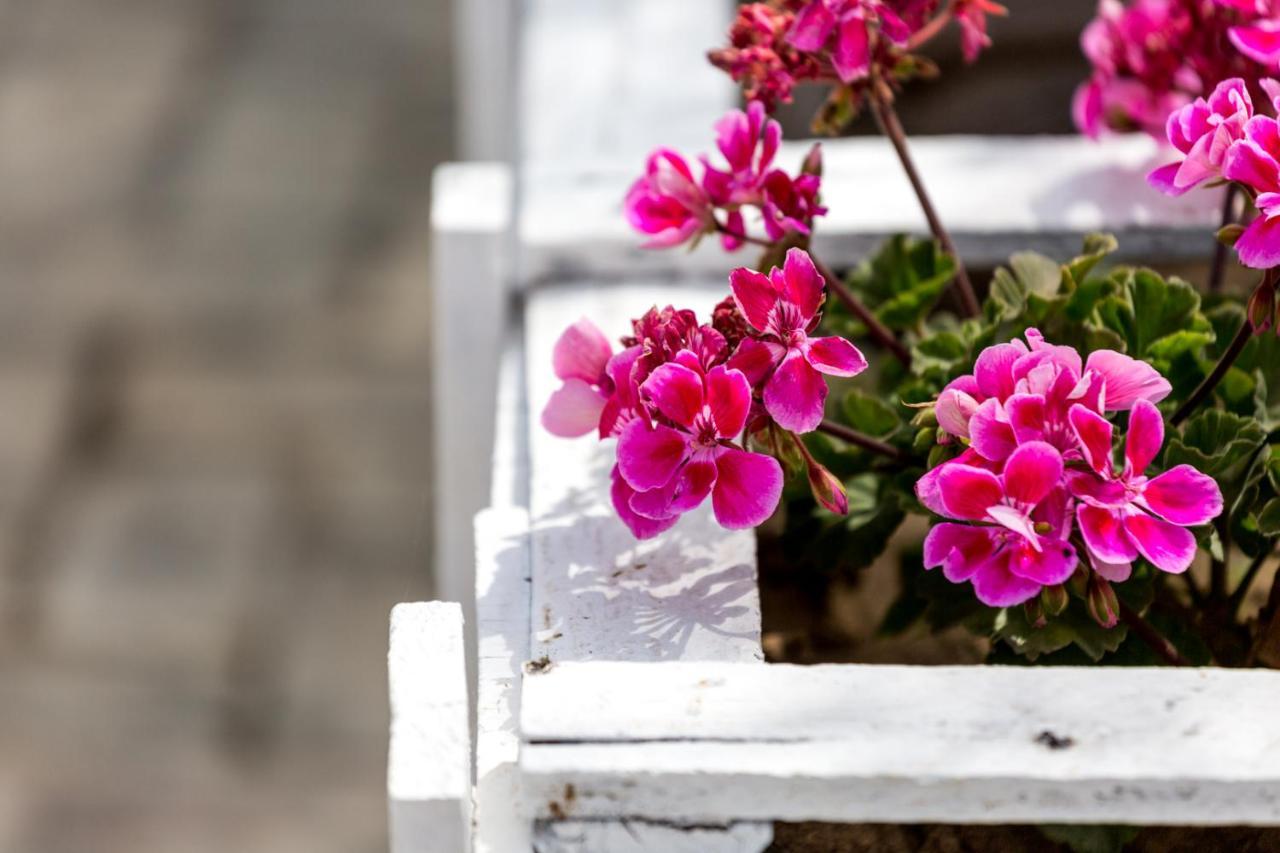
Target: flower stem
(882, 105)
(1242, 588)
(1218, 271)
(866, 442)
(926, 33)
(879, 332)
(1205, 389)
(1153, 638)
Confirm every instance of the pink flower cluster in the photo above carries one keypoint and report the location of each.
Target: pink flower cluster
(680, 395)
(1039, 467)
(1221, 138)
(775, 45)
(672, 206)
(1151, 57)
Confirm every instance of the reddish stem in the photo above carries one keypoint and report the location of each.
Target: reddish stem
(866, 442)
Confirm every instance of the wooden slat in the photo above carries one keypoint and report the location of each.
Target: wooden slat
(721, 742)
(998, 195)
(635, 836)
(429, 759)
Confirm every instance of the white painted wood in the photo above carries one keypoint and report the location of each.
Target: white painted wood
(625, 836)
(484, 70)
(998, 195)
(699, 742)
(598, 593)
(429, 758)
(470, 216)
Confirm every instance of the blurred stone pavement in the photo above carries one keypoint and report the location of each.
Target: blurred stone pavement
(213, 413)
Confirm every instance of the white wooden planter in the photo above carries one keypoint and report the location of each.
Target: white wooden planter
(620, 696)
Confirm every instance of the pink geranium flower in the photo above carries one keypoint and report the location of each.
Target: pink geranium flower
(1203, 131)
(1019, 544)
(580, 357)
(782, 308)
(1259, 38)
(1255, 162)
(1122, 515)
(667, 202)
(972, 17)
(672, 465)
(748, 141)
(847, 25)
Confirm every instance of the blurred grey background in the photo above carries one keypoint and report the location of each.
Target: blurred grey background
(214, 310)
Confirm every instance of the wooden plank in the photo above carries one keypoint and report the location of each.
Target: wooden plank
(429, 758)
(998, 195)
(484, 68)
(573, 836)
(598, 593)
(717, 742)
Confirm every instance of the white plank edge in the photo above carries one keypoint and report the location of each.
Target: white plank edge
(719, 742)
(598, 593)
(429, 757)
(636, 836)
(998, 195)
(484, 77)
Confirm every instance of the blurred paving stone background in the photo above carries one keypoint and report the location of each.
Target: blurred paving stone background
(213, 403)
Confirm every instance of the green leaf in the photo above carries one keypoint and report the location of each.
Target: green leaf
(869, 414)
(1215, 442)
(903, 281)
(1146, 307)
(1096, 247)
(1269, 518)
(1074, 626)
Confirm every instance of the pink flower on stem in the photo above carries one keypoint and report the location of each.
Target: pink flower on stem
(1019, 544)
(1203, 131)
(972, 17)
(849, 26)
(790, 205)
(671, 466)
(667, 203)
(748, 140)
(1254, 161)
(1123, 515)
(580, 357)
(782, 308)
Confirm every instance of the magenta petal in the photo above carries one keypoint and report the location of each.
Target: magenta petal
(1168, 547)
(729, 396)
(1104, 534)
(686, 491)
(994, 369)
(641, 527)
(852, 56)
(1095, 435)
(573, 410)
(990, 433)
(959, 548)
(1026, 414)
(677, 391)
(996, 586)
(1260, 42)
(649, 457)
(754, 294)
(1114, 572)
(834, 356)
(795, 394)
(812, 26)
(1127, 380)
(581, 352)
(802, 282)
(968, 492)
(1146, 436)
(1032, 471)
(927, 486)
(1259, 245)
(1162, 180)
(756, 359)
(747, 488)
(1184, 496)
(1051, 565)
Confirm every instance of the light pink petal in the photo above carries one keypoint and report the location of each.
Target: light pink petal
(813, 24)
(756, 359)
(747, 488)
(1017, 521)
(1259, 245)
(1162, 179)
(852, 56)
(729, 396)
(996, 586)
(649, 457)
(754, 294)
(1127, 379)
(967, 492)
(573, 410)
(954, 409)
(796, 393)
(1104, 534)
(641, 527)
(1170, 548)
(1026, 414)
(1146, 436)
(994, 369)
(834, 356)
(959, 548)
(677, 392)
(1095, 435)
(1051, 565)
(802, 282)
(1114, 572)
(990, 432)
(581, 352)
(1033, 470)
(1184, 496)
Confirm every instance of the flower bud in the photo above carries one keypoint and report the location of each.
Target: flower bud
(827, 488)
(813, 161)
(1262, 306)
(1035, 613)
(1054, 599)
(1104, 607)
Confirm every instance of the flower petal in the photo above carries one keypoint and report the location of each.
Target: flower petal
(852, 56)
(1104, 534)
(968, 492)
(959, 548)
(1184, 496)
(802, 284)
(574, 409)
(954, 410)
(1259, 245)
(641, 527)
(1162, 179)
(1095, 434)
(1032, 471)
(677, 391)
(812, 26)
(795, 394)
(1146, 436)
(649, 457)
(729, 396)
(1127, 379)
(1052, 564)
(834, 356)
(1027, 415)
(1170, 548)
(756, 358)
(996, 586)
(994, 369)
(754, 294)
(747, 488)
(581, 352)
(990, 432)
